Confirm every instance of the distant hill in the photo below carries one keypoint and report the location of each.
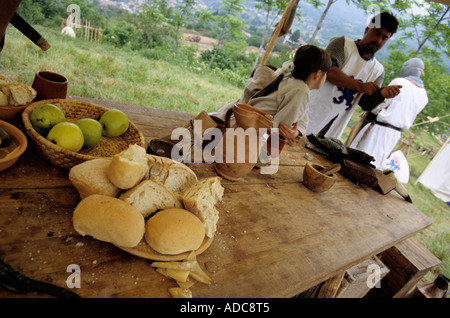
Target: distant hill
(342, 19)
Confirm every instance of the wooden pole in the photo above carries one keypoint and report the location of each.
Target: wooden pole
(277, 31)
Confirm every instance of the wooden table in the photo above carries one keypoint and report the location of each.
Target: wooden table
(275, 237)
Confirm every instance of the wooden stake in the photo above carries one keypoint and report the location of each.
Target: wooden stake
(277, 31)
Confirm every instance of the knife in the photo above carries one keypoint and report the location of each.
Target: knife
(16, 282)
(325, 129)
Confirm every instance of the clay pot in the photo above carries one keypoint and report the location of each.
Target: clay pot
(315, 180)
(49, 85)
(281, 142)
(243, 139)
(248, 116)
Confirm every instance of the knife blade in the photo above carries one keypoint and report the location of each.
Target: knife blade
(16, 282)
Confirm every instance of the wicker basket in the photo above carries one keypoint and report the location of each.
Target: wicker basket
(74, 110)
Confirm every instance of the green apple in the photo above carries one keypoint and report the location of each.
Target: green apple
(92, 131)
(67, 135)
(45, 116)
(114, 123)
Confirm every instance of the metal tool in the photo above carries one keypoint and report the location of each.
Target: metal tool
(16, 282)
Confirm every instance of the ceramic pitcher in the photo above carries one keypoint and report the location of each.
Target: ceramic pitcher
(241, 144)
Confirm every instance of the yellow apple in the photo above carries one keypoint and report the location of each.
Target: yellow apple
(92, 131)
(45, 116)
(67, 135)
(114, 123)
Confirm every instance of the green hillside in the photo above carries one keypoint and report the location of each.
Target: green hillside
(104, 72)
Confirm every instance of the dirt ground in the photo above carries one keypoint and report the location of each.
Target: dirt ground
(207, 43)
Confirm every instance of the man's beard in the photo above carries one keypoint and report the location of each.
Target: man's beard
(371, 48)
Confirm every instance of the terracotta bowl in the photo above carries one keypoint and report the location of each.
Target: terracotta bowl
(12, 113)
(19, 139)
(315, 180)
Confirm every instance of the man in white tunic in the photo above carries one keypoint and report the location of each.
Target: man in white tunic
(379, 137)
(355, 78)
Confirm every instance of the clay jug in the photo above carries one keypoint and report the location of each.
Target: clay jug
(239, 149)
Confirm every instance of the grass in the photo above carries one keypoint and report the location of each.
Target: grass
(104, 72)
(101, 71)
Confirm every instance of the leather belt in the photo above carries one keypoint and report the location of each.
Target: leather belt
(387, 125)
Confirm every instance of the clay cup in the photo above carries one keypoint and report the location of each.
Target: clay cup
(49, 85)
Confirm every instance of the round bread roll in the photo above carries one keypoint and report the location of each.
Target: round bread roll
(174, 231)
(109, 219)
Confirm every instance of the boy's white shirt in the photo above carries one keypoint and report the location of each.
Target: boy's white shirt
(289, 104)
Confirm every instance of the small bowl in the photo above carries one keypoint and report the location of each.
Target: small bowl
(19, 139)
(12, 114)
(315, 180)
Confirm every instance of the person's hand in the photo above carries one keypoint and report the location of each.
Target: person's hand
(369, 88)
(390, 91)
(287, 132)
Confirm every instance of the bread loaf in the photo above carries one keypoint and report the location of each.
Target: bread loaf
(110, 220)
(174, 231)
(201, 199)
(150, 196)
(176, 176)
(128, 168)
(90, 177)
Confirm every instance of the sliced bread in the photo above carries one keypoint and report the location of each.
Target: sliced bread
(150, 196)
(176, 176)
(201, 199)
(18, 94)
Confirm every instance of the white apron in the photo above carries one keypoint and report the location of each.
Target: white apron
(401, 111)
(331, 100)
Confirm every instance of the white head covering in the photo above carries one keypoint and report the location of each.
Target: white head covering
(412, 69)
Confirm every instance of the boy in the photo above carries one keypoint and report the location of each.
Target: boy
(286, 97)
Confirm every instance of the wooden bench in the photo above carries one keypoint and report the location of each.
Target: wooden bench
(355, 282)
(400, 268)
(408, 262)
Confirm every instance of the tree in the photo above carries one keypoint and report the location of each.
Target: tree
(270, 7)
(322, 17)
(428, 27)
(154, 20)
(359, 3)
(229, 23)
(179, 16)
